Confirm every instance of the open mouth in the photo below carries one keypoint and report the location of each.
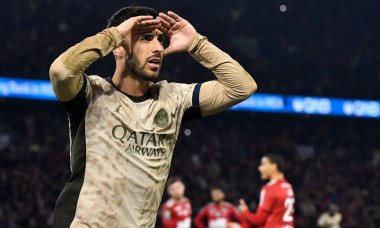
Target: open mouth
(154, 62)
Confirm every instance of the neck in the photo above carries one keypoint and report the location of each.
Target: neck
(125, 81)
(177, 199)
(277, 176)
(220, 203)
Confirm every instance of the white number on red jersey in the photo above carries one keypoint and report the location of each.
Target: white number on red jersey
(289, 205)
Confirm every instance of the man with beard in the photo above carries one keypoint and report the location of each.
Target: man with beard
(176, 211)
(219, 213)
(123, 128)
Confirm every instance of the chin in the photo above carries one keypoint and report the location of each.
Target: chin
(150, 76)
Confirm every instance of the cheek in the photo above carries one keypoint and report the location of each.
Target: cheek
(263, 171)
(140, 51)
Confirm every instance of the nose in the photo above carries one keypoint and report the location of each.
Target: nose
(157, 46)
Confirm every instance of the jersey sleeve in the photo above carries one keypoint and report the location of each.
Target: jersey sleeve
(198, 221)
(235, 213)
(262, 213)
(255, 219)
(67, 70)
(233, 84)
(189, 98)
(266, 200)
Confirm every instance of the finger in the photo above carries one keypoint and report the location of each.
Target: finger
(167, 18)
(150, 22)
(175, 16)
(168, 51)
(164, 22)
(242, 202)
(163, 29)
(143, 18)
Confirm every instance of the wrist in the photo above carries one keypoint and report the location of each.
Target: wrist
(115, 32)
(198, 38)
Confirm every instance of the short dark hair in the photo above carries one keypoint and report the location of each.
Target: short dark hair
(128, 12)
(172, 180)
(276, 159)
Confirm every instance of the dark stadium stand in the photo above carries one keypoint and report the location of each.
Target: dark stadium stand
(328, 159)
(319, 48)
(314, 48)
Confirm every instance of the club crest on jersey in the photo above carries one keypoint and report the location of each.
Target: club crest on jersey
(162, 118)
(167, 214)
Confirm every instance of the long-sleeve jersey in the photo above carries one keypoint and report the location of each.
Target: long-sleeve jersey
(176, 214)
(218, 216)
(276, 206)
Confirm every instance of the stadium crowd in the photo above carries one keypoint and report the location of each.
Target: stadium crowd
(328, 160)
(313, 48)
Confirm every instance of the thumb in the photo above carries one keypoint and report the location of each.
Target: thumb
(242, 202)
(169, 50)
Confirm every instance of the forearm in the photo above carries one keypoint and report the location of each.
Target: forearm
(233, 83)
(198, 221)
(66, 71)
(255, 219)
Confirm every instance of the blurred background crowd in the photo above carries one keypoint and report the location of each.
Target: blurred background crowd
(315, 47)
(328, 160)
(321, 48)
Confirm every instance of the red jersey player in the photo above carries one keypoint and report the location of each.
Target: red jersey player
(276, 205)
(176, 211)
(219, 213)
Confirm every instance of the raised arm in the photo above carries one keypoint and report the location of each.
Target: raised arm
(255, 219)
(66, 71)
(233, 83)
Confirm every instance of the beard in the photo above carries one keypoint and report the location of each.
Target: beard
(132, 65)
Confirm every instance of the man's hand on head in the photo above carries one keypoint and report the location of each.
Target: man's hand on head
(180, 32)
(136, 25)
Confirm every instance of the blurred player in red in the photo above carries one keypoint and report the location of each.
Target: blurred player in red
(276, 205)
(176, 211)
(218, 213)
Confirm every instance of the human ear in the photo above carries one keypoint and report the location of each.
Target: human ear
(119, 52)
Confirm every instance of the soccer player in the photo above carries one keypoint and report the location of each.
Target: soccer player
(123, 128)
(219, 213)
(276, 205)
(176, 211)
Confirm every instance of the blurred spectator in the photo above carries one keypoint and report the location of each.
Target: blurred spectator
(219, 213)
(330, 218)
